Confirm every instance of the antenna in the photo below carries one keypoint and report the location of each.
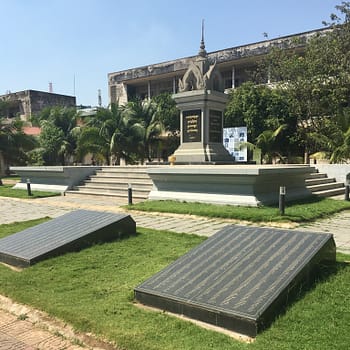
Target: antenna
(99, 98)
(50, 87)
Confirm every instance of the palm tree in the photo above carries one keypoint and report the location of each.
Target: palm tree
(147, 126)
(108, 133)
(13, 143)
(266, 142)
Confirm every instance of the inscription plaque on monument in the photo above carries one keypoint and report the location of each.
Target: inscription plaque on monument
(192, 126)
(240, 278)
(215, 126)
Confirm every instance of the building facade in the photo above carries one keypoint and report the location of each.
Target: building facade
(30, 102)
(233, 63)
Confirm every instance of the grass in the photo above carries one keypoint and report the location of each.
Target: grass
(93, 290)
(8, 191)
(301, 211)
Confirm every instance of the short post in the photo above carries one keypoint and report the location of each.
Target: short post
(282, 199)
(347, 190)
(29, 190)
(129, 194)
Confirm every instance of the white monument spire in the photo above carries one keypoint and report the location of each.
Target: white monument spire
(202, 51)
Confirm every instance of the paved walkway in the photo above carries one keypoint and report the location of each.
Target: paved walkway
(29, 334)
(15, 210)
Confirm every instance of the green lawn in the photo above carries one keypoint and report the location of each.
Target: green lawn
(301, 211)
(8, 191)
(93, 291)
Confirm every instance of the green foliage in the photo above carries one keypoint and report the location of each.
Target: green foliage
(301, 211)
(51, 138)
(264, 111)
(13, 142)
(36, 157)
(59, 134)
(317, 85)
(107, 134)
(168, 113)
(147, 126)
(131, 132)
(93, 291)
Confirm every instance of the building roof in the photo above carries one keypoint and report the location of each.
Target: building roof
(31, 130)
(28, 91)
(238, 53)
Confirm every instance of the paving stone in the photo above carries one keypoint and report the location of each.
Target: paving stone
(6, 319)
(34, 337)
(52, 343)
(10, 343)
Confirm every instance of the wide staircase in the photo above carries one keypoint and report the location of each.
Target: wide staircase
(321, 185)
(114, 181)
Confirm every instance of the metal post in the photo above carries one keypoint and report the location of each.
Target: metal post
(129, 194)
(282, 199)
(29, 190)
(347, 190)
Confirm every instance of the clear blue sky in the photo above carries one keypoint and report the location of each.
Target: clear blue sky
(54, 41)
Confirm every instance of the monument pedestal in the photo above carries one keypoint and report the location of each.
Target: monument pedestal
(245, 185)
(201, 127)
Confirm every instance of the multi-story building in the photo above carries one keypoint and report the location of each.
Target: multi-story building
(233, 63)
(30, 102)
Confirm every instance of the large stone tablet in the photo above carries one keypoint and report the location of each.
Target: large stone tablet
(239, 278)
(72, 231)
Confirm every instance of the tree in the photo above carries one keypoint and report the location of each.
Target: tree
(51, 139)
(266, 141)
(317, 83)
(13, 143)
(263, 110)
(147, 126)
(59, 135)
(168, 112)
(108, 133)
(169, 115)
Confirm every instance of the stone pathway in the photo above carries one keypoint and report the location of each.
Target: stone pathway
(18, 333)
(15, 210)
(24, 328)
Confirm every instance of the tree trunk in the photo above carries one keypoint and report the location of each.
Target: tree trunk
(2, 165)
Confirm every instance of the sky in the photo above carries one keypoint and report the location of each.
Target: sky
(74, 44)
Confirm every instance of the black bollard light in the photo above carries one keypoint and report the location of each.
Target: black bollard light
(129, 194)
(347, 190)
(282, 199)
(29, 190)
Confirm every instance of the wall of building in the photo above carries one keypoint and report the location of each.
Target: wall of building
(233, 63)
(30, 102)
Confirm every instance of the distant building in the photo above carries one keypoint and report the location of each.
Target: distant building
(30, 102)
(233, 63)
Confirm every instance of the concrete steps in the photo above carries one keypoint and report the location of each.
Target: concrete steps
(320, 185)
(114, 181)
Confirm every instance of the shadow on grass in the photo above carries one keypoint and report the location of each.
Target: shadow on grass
(297, 293)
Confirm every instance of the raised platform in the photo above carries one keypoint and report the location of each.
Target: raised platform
(246, 185)
(240, 278)
(69, 232)
(52, 178)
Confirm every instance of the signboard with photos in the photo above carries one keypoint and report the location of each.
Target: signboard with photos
(233, 138)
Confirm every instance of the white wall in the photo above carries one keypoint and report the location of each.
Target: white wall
(339, 171)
